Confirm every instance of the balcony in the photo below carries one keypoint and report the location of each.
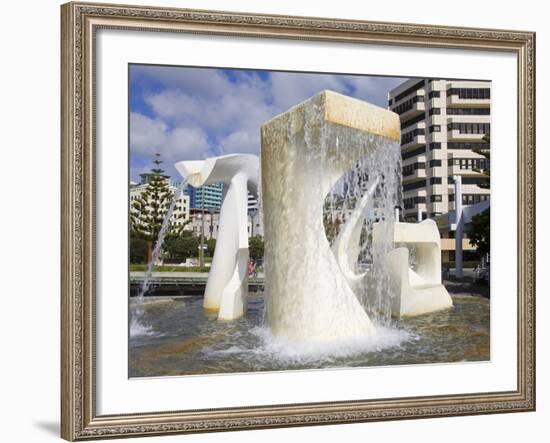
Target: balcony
(461, 97)
(454, 101)
(413, 138)
(415, 109)
(457, 136)
(410, 107)
(415, 174)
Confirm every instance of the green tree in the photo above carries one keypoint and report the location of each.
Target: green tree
(479, 231)
(148, 211)
(138, 250)
(182, 247)
(256, 247)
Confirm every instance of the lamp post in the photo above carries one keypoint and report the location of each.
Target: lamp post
(211, 227)
(201, 216)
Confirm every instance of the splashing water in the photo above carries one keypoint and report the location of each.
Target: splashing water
(380, 170)
(160, 240)
(137, 328)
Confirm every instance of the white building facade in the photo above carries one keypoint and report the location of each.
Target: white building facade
(443, 123)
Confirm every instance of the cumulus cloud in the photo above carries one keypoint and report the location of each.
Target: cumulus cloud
(193, 113)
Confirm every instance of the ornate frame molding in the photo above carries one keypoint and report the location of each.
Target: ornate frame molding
(79, 24)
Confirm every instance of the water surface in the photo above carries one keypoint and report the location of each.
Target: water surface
(177, 337)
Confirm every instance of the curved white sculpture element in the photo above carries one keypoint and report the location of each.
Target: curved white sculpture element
(417, 291)
(347, 244)
(304, 152)
(227, 285)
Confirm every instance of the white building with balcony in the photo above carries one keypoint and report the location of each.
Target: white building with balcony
(443, 124)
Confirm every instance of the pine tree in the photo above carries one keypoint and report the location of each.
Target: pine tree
(148, 211)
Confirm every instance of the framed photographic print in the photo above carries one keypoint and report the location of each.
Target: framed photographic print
(282, 221)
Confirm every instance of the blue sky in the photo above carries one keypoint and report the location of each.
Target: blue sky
(194, 113)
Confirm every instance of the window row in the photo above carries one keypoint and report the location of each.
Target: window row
(409, 169)
(409, 203)
(414, 185)
(407, 105)
(410, 90)
(470, 163)
(413, 153)
(412, 121)
(472, 146)
(470, 93)
(468, 111)
(479, 180)
(470, 128)
(470, 199)
(408, 137)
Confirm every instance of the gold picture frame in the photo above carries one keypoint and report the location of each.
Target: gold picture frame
(80, 21)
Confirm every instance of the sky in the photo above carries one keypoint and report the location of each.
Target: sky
(188, 113)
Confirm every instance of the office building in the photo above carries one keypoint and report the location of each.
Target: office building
(444, 124)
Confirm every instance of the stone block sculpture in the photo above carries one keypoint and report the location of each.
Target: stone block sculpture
(417, 291)
(304, 152)
(227, 285)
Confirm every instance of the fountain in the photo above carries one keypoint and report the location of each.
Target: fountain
(305, 151)
(338, 265)
(227, 285)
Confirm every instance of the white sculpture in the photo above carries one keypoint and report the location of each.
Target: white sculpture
(416, 291)
(304, 152)
(346, 247)
(227, 285)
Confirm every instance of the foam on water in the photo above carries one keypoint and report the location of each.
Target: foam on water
(285, 351)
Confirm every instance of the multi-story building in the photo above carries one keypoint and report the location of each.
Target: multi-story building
(443, 123)
(180, 215)
(208, 196)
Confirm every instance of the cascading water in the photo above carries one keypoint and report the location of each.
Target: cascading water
(136, 326)
(379, 172)
(312, 293)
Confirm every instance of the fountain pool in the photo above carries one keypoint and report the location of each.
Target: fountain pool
(183, 339)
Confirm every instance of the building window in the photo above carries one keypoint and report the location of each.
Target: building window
(409, 136)
(412, 121)
(407, 105)
(470, 163)
(458, 145)
(410, 90)
(411, 202)
(470, 93)
(435, 181)
(468, 111)
(434, 94)
(435, 128)
(413, 153)
(409, 169)
(435, 111)
(436, 198)
(470, 128)
(414, 185)
(434, 163)
(470, 199)
(435, 145)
